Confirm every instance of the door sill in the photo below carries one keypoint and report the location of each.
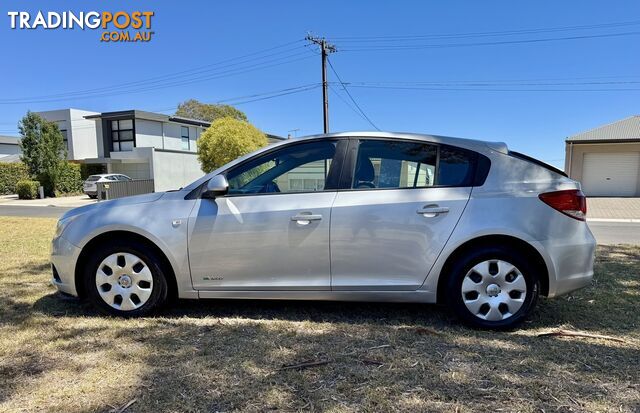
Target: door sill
(416, 296)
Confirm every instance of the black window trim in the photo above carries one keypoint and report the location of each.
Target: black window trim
(538, 162)
(479, 163)
(343, 167)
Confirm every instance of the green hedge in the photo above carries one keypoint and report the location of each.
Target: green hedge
(27, 189)
(69, 179)
(10, 174)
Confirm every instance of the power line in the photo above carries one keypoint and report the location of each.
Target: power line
(489, 83)
(257, 96)
(344, 87)
(290, 89)
(346, 102)
(227, 73)
(468, 89)
(493, 43)
(176, 76)
(484, 34)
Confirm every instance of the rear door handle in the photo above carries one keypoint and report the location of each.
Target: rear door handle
(431, 211)
(304, 218)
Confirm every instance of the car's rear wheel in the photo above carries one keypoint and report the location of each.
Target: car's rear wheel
(125, 279)
(493, 287)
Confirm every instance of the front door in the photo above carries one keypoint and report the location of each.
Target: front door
(271, 231)
(404, 201)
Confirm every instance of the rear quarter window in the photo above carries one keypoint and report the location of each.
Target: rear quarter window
(456, 167)
(461, 167)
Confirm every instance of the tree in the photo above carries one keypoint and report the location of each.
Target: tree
(43, 150)
(209, 112)
(227, 139)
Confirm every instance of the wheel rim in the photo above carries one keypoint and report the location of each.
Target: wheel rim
(494, 290)
(124, 281)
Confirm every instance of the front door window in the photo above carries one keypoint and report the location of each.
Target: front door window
(296, 168)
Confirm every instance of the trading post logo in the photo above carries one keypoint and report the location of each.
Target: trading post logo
(120, 26)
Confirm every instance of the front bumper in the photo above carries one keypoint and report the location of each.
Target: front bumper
(64, 256)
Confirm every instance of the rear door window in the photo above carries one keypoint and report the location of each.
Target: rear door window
(394, 164)
(383, 164)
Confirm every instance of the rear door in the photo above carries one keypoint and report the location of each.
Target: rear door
(400, 203)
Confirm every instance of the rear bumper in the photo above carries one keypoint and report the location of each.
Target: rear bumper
(63, 264)
(570, 261)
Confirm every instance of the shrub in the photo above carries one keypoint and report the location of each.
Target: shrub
(27, 189)
(227, 139)
(43, 150)
(10, 174)
(69, 178)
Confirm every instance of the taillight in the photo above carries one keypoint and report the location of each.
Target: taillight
(571, 202)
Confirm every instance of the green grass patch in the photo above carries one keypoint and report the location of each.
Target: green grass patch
(57, 354)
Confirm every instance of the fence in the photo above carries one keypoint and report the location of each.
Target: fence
(120, 189)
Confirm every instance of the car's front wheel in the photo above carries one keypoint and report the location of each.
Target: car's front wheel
(493, 287)
(125, 279)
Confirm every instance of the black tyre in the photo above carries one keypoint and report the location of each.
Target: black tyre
(493, 288)
(125, 279)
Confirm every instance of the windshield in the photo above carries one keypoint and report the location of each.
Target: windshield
(93, 178)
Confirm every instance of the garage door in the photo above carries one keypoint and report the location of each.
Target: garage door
(610, 174)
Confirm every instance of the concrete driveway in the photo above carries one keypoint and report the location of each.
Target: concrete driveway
(613, 209)
(60, 202)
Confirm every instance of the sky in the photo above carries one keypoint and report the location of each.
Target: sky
(526, 73)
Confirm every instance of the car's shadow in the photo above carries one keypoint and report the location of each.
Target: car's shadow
(57, 304)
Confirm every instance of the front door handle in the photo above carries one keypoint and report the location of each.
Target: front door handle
(430, 211)
(304, 218)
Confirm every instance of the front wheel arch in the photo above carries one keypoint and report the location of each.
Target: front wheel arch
(494, 241)
(112, 236)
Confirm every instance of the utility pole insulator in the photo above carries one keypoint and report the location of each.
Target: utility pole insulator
(325, 49)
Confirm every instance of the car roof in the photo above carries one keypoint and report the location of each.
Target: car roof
(472, 144)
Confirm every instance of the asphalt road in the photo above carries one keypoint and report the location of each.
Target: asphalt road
(608, 233)
(32, 211)
(605, 232)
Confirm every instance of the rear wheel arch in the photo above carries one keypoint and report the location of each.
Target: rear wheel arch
(111, 236)
(490, 241)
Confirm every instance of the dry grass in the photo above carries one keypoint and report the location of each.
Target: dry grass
(58, 355)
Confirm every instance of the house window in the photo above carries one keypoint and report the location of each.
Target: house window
(65, 138)
(184, 133)
(122, 135)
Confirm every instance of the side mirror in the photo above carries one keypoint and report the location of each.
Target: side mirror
(216, 186)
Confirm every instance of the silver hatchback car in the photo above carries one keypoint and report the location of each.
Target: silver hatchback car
(351, 216)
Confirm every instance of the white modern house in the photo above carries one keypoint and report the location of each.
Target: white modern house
(9, 149)
(142, 145)
(78, 132)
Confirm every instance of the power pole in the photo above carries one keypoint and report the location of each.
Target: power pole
(325, 49)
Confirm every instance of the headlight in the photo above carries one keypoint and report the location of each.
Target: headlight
(62, 225)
